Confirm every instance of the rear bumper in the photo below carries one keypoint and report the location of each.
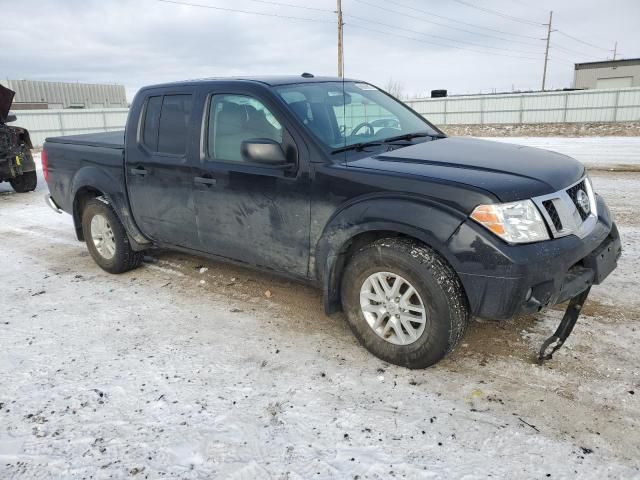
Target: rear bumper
(502, 280)
(15, 165)
(48, 199)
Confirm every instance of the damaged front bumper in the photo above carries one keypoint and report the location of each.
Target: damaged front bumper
(503, 281)
(595, 268)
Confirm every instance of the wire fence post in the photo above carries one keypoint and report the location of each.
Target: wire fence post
(615, 107)
(445, 111)
(521, 111)
(564, 109)
(60, 122)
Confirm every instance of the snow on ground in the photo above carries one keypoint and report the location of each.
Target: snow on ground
(595, 152)
(175, 371)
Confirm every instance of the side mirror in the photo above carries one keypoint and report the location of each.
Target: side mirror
(264, 151)
(11, 118)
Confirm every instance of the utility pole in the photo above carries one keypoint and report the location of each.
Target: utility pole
(615, 50)
(546, 52)
(340, 48)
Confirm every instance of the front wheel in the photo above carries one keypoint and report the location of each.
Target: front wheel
(403, 302)
(24, 183)
(107, 239)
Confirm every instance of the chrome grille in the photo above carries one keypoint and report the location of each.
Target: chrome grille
(563, 213)
(553, 214)
(573, 195)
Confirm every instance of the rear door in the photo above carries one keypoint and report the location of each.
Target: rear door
(249, 212)
(159, 175)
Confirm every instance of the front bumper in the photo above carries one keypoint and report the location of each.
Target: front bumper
(503, 280)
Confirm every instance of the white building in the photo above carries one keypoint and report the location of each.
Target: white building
(607, 74)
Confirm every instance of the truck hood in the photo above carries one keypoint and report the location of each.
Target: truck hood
(6, 99)
(510, 172)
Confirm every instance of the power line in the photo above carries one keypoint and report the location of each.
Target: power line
(574, 52)
(500, 14)
(395, 27)
(292, 5)
(460, 21)
(250, 12)
(525, 4)
(441, 24)
(582, 41)
(438, 44)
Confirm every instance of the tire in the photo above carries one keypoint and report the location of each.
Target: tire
(26, 182)
(113, 253)
(436, 286)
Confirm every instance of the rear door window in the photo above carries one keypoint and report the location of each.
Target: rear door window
(166, 123)
(174, 124)
(151, 121)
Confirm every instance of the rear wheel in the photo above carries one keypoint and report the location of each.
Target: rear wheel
(403, 302)
(107, 239)
(26, 182)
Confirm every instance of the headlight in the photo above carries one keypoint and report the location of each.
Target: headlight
(516, 222)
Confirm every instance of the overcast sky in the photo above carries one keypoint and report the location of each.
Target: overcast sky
(140, 42)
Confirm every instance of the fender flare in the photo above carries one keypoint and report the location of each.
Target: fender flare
(26, 137)
(94, 179)
(429, 222)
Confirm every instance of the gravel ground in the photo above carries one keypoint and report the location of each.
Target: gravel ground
(188, 368)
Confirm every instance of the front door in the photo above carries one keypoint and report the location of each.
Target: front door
(159, 175)
(253, 213)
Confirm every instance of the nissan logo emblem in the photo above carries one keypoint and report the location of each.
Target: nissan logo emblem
(582, 200)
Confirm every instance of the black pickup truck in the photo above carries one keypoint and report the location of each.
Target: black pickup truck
(339, 184)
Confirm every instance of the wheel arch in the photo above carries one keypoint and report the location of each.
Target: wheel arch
(91, 182)
(425, 222)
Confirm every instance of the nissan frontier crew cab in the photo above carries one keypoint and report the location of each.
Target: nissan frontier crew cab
(407, 231)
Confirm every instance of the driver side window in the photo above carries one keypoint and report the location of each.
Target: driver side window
(234, 119)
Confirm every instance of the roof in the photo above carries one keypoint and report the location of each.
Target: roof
(608, 63)
(273, 80)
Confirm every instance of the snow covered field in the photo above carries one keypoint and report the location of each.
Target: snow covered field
(186, 368)
(617, 153)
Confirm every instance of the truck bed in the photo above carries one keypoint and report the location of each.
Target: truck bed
(102, 139)
(99, 156)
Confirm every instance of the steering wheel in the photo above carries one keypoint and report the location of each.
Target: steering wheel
(362, 125)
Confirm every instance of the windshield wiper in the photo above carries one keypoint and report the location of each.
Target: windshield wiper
(411, 136)
(358, 146)
(373, 143)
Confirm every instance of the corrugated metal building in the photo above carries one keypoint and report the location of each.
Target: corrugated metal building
(37, 95)
(607, 74)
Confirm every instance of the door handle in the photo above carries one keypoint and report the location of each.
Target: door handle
(208, 181)
(139, 171)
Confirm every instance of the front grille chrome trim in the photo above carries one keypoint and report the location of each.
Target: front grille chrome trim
(569, 218)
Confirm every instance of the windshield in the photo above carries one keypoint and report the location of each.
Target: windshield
(361, 114)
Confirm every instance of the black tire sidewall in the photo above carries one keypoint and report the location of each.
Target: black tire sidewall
(120, 261)
(27, 182)
(436, 340)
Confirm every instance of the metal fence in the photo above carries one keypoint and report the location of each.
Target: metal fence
(611, 105)
(50, 123)
(614, 105)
